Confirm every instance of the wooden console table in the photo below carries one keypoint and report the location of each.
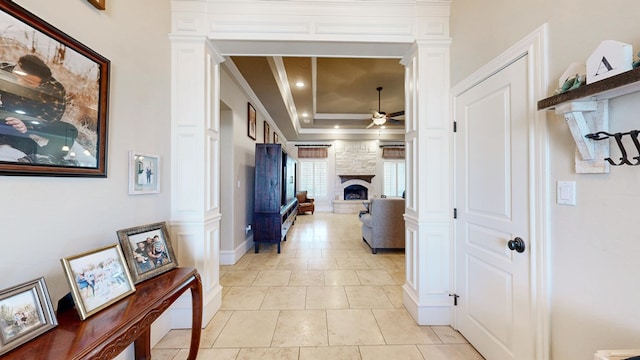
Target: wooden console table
(107, 333)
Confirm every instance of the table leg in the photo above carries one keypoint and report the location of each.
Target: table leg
(196, 321)
(142, 345)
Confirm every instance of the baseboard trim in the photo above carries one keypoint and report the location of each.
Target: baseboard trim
(230, 257)
(426, 314)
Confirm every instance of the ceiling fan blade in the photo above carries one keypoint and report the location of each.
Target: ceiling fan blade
(397, 113)
(370, 125)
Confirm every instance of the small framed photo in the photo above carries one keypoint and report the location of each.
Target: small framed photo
(25, 313)
(267, 132)
(148, 250)
(144, 173)
(251, 121)
(98, 279)
(275, 138)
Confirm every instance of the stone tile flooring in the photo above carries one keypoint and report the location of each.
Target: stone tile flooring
(324, 297)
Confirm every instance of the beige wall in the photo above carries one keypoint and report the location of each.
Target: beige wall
(593, 246)
(43, 219)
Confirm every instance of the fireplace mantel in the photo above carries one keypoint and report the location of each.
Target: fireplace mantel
(344, 178)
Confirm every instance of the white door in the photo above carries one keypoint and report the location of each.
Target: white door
(492, 201)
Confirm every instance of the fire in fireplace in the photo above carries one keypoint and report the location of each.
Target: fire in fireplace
(356, 192)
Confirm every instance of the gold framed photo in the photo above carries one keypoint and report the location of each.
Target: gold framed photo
(98, 279)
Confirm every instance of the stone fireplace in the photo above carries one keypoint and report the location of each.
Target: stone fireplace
(352, 191)
(355, 168)
(356, 192)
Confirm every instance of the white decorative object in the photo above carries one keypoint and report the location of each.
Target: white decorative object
(610, 58)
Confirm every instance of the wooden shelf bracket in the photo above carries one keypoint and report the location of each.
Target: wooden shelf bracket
(586, 117)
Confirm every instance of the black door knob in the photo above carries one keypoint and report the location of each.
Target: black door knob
(516, 244)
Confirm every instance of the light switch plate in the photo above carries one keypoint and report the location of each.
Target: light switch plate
(566, 193)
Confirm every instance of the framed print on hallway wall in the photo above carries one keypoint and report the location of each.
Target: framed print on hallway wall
(25, 313)
(251, 121)
(266, 132)
(97, 279)
(54, 91)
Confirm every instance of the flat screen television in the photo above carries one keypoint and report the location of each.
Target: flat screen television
(288, 178)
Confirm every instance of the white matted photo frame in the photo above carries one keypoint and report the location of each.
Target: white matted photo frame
(144, 173)
(98, 279)
(25, 313)
(148, 250)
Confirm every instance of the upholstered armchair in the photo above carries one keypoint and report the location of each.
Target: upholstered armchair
(305, 203)
(383, 225)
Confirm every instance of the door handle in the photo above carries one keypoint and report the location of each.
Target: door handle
(516, 244)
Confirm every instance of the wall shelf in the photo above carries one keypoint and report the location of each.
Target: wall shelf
(586, 110)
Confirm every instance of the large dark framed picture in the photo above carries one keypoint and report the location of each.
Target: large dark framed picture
(148, 250)
(54, 99)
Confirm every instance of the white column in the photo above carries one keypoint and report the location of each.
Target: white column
(195, 164)
(428, 215)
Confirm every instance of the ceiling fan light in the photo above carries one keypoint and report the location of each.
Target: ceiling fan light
(379, 120)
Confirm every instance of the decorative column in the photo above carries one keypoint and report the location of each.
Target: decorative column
(195, 159)
(428, 215)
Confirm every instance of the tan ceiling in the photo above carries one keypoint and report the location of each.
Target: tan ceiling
(337, 91)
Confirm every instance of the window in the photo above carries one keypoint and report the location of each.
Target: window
(394, 184)
(313, 178)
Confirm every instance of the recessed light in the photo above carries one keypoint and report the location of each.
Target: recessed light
(336, 127)
(305, 114)
(299, 84)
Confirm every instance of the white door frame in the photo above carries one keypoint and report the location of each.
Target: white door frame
(534, 45)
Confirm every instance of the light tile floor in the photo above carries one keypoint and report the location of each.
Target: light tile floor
(325, 296)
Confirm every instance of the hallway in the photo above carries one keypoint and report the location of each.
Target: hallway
(324, 297)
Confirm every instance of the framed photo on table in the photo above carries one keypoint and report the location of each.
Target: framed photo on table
(25, 313)
(54, 91)
(98, 279)
(144, 173)
(148, 250)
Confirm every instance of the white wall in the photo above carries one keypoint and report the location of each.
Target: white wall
(44, 218)
(242, 148)
(594, 247)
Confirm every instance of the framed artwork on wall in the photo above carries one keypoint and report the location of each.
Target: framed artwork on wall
(275, 138)
(266, 133)
(148, 250)
(25, 313)
(144, 173)
(54, 91)
(97, 279)
(251, 121)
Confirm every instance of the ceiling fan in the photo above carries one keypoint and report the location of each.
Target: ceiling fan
(380, 117)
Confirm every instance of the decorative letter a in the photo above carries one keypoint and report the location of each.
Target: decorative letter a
(604, 63)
